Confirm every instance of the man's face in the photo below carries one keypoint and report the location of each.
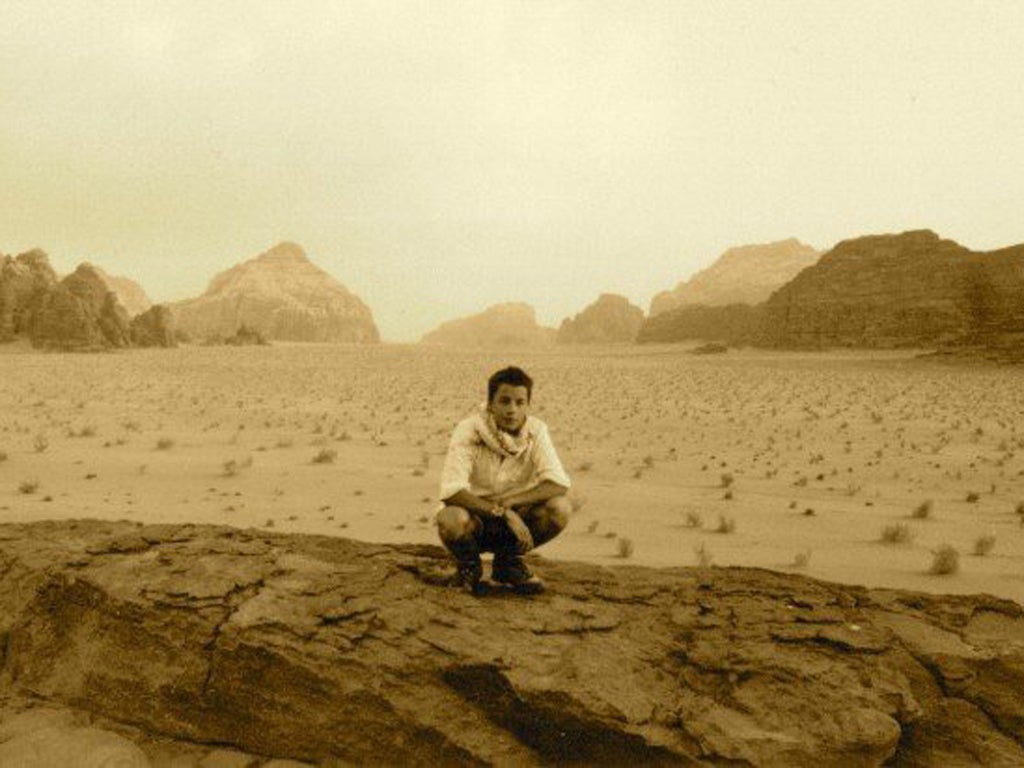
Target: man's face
(510, 405)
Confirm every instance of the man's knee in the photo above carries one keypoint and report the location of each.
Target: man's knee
(455, 524)
(557, 511)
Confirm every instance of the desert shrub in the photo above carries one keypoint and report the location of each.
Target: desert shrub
(727, 495)
(694, 520)
(972, 497)
(592, 527)
(232, 467)
(164, 444)
(585, 466)
(802, 559)
(922, 510)
(725, 524)
(624, 548)
(28, 486)
(648, 461)
(704, 557)
(3, 456)
(40, 443)
(983, 545)
(284, 442)
(726, 480)
(898, 533)
(945, 560)
(325, 456)
(1020, 509)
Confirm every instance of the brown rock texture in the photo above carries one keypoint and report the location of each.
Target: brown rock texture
(131, 295)
(80, 313)
(744, 275)
(333, 651)
(881, 291)
(734, 323)
(513, 324)
(153, 328)
(284, 296)
(610, 319)
(24, 282)
(909, 289)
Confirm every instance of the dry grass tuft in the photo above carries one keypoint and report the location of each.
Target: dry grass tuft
(624, 548)
(725, 524)
(983, 545)
(325, 456)
(945, 561)
(898, 533)
(922, 511)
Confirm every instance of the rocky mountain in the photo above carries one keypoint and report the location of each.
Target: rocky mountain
(911, 289)
(744, 275)
(284, 296)
(207, 645)
(609, 319)
(78, 312)
(513, 324)
(131, 295)
(24, 282)
(883, 291)
(153, 328)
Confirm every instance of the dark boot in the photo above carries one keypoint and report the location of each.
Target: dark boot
(511, 569)
(468, 575)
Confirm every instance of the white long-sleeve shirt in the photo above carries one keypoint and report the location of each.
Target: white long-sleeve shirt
(471, 464)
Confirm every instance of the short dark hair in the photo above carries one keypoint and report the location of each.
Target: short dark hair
(515, 377)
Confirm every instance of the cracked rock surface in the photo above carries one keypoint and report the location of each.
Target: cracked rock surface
(241, 647)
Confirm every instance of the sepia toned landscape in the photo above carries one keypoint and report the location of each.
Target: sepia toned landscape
(849, 466)
(303, 304)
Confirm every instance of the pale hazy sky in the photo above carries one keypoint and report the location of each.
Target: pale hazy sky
(439, 157)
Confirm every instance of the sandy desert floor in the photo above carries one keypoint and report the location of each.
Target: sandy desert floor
(778, 460)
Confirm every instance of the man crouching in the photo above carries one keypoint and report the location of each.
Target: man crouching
(503, 487)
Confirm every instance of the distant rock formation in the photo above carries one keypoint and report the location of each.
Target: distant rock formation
(243, 337)
(911, 289)
(153, 328)
(284, 296)
(131, 295)
(879, 291)
(24, 282)
(209, 645)
(609, 319)
(733, 323)
(513, 324)
(744, 275)
(80, 313)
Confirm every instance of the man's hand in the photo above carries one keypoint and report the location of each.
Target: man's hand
(520, 531)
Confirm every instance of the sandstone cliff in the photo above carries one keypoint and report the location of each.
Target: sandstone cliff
(609, 319)
(284, 296)
(513, 324)
(153, 328)
(186, 643)
(129, 293)
(744, 275)
(24, 282)
(881, 291)
(80, 313)
(911, 289)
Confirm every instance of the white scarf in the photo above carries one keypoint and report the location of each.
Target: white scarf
(497, 439)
